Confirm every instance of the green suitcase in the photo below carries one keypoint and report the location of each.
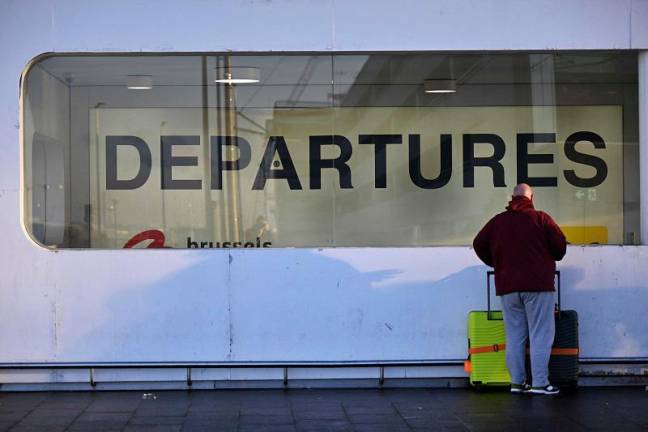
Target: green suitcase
(486, 346)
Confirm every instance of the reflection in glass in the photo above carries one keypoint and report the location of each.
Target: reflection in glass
(327, 149)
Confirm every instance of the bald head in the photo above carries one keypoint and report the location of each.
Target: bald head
(523, 189)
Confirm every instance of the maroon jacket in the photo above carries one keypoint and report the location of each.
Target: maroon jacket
(523, 245)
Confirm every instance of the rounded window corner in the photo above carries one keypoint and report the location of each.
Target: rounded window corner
(33, 62)
(32, 239)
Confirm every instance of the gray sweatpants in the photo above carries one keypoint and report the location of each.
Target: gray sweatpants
(529, 315)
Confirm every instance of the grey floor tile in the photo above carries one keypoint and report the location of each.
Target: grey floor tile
(264, 410)
(381, 427)
(337, 414)
(267, 428)
(198, 423)
(103, 417)
(367, 409)
(147, 421)
(153, 428)
(161, 411)
(324, 410)
(325, 429)
(113, 406)
(28, 428)
(263, 420)
(95, 426)
(214, 407)
(12, 416)
(323, 425)
(459, 428)
(44, 422)
(376, 418)
(210, 428)
(56, 412)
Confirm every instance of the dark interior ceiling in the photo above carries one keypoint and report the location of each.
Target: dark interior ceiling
(352, 69)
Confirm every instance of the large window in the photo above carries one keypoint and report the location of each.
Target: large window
(375, 149)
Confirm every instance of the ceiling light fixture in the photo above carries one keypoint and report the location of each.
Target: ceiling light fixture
(440, 86)
(237, 75)
(139, 82)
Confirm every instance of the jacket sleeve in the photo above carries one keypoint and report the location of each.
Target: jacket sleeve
(481, 244)
(555, 239)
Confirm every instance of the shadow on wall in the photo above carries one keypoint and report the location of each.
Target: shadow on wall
(612, 319)
(300, 305)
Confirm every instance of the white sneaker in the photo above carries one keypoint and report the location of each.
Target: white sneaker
(547, 390)
(520, 388)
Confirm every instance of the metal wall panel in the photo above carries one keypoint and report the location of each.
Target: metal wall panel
(286, 304)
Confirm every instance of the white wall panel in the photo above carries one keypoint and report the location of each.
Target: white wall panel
(491, 25)
(102, 306)
(638, 28)
(290, 304)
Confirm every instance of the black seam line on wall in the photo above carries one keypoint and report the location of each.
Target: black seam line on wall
(306, 248)
(630, 24)
(366, 106)
(168, 365)
(230, 335)
(54, 54)
(206, 151)
(624, 171)
(86, 101)
(66, 238)
(613, 361)
(355, 84)
(261, 364)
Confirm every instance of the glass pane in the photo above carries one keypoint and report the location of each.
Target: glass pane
(326, 150)
(565, 123)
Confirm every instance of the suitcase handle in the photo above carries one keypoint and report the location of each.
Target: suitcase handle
(558, 289)
(489, 314)
(490, 273)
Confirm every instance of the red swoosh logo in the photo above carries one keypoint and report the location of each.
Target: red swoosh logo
(156, 236)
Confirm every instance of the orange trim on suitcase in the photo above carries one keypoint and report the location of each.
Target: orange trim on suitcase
(487, 349)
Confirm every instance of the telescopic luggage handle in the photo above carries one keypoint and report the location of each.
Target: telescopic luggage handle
(490, 273)
(558, 289)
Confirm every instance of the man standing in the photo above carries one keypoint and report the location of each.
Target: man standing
(523, 245)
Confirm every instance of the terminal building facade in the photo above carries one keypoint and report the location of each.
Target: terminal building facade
(277, 193)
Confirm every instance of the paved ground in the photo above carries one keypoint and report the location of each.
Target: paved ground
(325, 410)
